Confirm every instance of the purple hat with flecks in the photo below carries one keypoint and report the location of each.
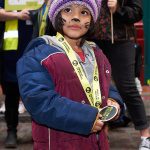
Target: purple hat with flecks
(57, 5)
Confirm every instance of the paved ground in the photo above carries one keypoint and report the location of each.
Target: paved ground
(24, 136)
(125, 138)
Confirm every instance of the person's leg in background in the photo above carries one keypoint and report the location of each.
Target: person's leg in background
(124, 77)
(122, 60)
(138, 65)
(1, 70)
(12, 96)
(2, 105)
(0, 67)
(11, 92)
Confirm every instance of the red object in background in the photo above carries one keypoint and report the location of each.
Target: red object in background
(140, 41)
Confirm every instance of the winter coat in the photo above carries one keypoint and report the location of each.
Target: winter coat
(53, 95)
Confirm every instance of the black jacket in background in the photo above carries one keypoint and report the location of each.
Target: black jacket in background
(34, 14)
(2, 27)
(128, 13)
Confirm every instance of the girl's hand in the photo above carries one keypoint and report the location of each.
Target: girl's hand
(111, 101)
(112, 4)
(98, 124)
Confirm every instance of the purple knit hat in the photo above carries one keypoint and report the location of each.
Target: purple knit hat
(57, 5)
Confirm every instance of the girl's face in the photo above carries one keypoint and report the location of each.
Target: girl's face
(76, 19)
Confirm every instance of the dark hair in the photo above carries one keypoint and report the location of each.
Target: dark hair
(59, 27)
(59, 23)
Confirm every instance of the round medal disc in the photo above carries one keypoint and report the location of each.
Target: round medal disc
(108, 113)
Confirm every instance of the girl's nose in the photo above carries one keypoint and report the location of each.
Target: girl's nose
(76, 19)
(76, 16)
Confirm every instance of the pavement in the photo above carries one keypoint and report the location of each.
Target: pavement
(122, 138)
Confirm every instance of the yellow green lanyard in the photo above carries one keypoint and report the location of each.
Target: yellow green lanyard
(43, 21)
(93, 93)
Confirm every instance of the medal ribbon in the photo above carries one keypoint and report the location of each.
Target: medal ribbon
(93, 94)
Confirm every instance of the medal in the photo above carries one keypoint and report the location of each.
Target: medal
(108, 113)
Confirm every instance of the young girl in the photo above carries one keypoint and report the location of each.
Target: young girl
(64, 79)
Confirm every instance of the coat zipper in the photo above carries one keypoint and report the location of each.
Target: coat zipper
(97, 138)
(49, 138)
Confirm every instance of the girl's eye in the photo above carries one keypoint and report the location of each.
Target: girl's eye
(67, 10)
(85, 12)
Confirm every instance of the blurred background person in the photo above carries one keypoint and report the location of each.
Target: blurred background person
(119, 48)
(15, 35)
(41, 22)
